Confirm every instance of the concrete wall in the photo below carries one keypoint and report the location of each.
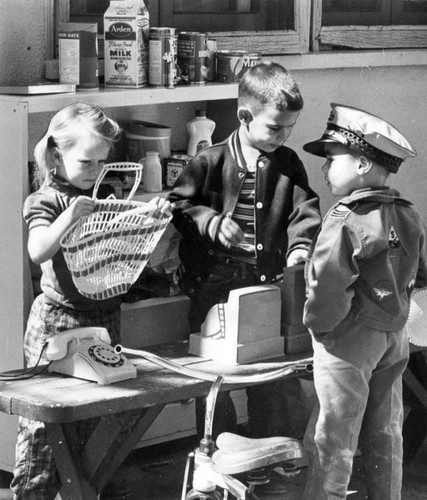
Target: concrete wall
(22, 40)
(397, 94)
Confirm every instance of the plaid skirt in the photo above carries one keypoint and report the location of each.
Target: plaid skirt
(35, 473)
(46, 319)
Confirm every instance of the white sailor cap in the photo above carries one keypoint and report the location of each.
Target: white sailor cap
(366, 132)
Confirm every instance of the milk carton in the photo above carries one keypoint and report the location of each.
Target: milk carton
(126, 25)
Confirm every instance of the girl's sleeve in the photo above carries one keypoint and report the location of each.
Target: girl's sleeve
(331, 272)
(40, 210)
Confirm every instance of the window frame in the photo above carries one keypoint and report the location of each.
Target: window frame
(308, 35)
(364, 37)
(296, 41)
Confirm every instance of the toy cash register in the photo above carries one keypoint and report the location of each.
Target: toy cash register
(244, 329)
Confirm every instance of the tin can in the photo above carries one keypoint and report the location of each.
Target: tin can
(192, 58)
(174, 167)
(211, 47)
(232, 64)
(162, 43)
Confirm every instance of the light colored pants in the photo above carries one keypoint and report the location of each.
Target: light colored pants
(357, 375)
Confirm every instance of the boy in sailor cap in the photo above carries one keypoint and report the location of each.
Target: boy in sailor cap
(363, 265)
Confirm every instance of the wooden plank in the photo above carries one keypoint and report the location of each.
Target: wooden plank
(277, 42)
(316, 24)
(302, 24)
(367, 37)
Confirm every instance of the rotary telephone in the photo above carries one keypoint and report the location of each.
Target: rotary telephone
(86, 353)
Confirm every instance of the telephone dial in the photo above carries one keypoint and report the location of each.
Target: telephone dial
(86, 353)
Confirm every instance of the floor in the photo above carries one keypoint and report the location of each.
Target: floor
(163, 468)
(158, 472)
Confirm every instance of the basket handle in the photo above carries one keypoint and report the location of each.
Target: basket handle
(145, 209)
(121, 166)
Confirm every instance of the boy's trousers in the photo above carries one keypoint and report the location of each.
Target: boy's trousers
(358, 380)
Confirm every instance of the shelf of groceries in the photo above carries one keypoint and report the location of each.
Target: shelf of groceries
(119, 97)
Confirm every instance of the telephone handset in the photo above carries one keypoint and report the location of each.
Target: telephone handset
(86, 353)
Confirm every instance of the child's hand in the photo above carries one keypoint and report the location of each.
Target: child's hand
(82, 205)
(297, 256)
(163, 204)
(229, 233)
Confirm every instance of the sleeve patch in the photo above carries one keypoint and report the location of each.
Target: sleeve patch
(382, 291)
(340, 212)
(393, 238)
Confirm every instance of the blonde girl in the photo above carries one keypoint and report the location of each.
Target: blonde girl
(69, 158)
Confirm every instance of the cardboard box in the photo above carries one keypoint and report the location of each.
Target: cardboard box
(78, 54)
(293, 294)
(298, 344)
(296, 336)
(155, 321)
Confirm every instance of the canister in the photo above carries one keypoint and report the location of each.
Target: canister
(192, 58)
(174, 167)
(162, 57)
(142, 136)
(232, 64)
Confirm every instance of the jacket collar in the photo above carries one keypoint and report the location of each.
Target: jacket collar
(383, 195)
(236, 151)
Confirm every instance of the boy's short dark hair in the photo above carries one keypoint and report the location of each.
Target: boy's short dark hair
(270, 84)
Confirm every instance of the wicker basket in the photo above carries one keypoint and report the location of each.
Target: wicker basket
(107, 250)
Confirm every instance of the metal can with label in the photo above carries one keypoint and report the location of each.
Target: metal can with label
(211, 47)
(232, 64)
(162, 43)
(174, 167)
(192, 58)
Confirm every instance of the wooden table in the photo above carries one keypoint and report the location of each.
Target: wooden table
(126, 410)
(417, 384)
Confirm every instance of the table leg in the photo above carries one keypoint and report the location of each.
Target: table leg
(416, 386)
(74, 486)
(84, 472)
(113, 439)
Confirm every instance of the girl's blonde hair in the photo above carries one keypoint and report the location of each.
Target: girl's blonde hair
(66, 128)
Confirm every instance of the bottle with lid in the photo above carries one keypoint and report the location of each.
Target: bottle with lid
(200, 129)
(152, 172)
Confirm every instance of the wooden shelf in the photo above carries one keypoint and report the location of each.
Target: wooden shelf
(111, 98)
